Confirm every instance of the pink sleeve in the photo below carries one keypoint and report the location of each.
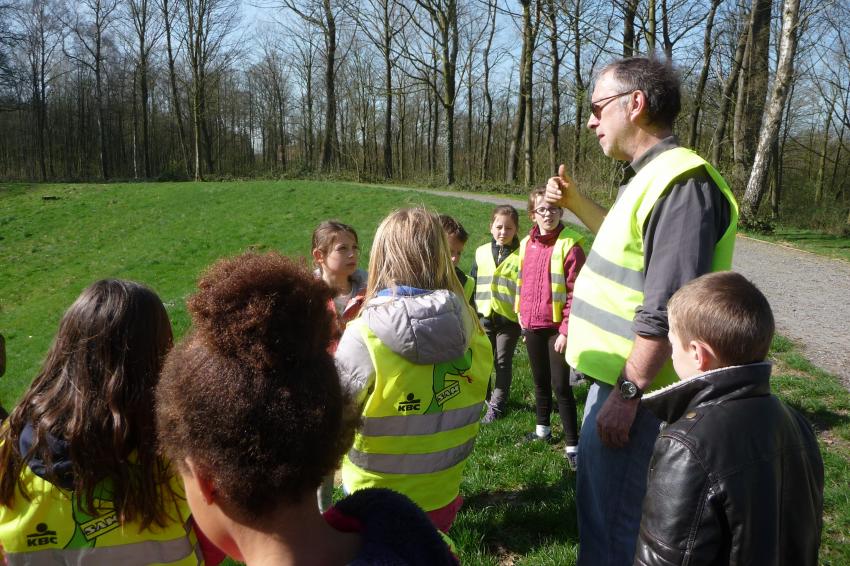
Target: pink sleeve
(573, 262)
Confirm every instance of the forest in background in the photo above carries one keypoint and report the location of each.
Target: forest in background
(488, 94)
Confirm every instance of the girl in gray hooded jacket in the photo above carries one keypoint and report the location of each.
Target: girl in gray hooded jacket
(419, 363)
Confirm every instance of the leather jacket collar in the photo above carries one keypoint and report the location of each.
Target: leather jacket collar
(711, 387)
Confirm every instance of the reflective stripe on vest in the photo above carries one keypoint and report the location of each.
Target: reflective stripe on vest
(419, 422)
(413, 463)
(51, 529)
(609, 287)
(485, 268)
(557, 280)
(173, 551)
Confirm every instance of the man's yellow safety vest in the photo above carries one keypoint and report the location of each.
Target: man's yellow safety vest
(51, 529)
(419, 422)
(557, 280)
(610, 285)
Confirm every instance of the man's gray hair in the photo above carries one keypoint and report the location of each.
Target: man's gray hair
(658, 80)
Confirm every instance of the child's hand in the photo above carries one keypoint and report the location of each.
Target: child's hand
(561, 189)
(561, 344)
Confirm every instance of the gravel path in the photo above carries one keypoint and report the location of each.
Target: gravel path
(809, 294)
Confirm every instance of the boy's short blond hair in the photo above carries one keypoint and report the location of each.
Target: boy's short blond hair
(728, 313)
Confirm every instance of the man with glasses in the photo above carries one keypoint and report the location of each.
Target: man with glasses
(674, 220)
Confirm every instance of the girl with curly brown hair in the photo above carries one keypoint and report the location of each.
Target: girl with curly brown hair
(251, 410)
(80, 478)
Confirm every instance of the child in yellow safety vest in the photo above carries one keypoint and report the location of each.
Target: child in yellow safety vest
(419, 363)
(550, 258)
(80, 478)
(494, 301)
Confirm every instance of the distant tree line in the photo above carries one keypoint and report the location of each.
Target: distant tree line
(471, 92)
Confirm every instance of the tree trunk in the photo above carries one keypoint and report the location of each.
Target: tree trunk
(824, 149)
(726, 97)
(311, 138)
(528, 78)
(143, 91)
(469, 152)
(135, 115)
(770, 128)
(388, 102)
(752, 88)
(488, 99)
(524, 98)
(838, 152)
(665, 31)
(650, 31)
(554, 86)
(175, 97)
(707, 45)
(101, 111)
(776, 193)
(629, 14)
(581, 90)
(329, 141)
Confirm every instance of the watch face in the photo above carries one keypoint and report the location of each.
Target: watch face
(628, 390)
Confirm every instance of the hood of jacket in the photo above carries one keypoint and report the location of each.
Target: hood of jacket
(711, 387)
(59, 471)
(424, 327)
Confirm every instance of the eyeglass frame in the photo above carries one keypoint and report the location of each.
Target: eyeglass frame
(553, 210)
(595, 107)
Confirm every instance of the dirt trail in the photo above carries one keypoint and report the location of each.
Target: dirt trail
(809, 294)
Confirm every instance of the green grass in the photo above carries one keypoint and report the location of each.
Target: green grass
(826, 404)
(163, 235)
(519, 499)
(829, 245)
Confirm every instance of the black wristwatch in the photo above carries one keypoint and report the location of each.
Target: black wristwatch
(629, 390)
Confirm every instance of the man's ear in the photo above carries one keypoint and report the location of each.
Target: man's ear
(637, 106)
(205, 484)
(703, 355)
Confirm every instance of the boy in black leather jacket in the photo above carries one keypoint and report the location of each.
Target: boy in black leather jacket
(736, 475)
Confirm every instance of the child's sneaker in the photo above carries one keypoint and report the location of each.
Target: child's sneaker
(533, 437)
(491, 415)
(572, 459)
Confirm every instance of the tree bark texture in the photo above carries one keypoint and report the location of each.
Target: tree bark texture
(752, 88)
(770, 128)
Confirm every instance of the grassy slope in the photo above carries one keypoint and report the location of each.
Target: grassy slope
(519, 499)
(809, 240)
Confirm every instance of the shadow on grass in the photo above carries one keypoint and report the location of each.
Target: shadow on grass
(518, 522)
(822, 419)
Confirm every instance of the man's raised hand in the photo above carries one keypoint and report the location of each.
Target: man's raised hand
(560, 189)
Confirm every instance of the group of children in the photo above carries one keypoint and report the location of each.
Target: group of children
(524, 288)
(285, 374)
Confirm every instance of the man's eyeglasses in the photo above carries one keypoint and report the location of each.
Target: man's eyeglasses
(544, 210)
(596, 108)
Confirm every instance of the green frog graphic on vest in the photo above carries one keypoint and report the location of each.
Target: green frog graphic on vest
(88, 527)
(445, 389)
